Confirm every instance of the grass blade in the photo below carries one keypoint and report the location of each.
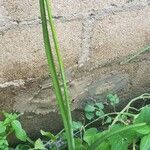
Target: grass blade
(63, 104)
(59, 59)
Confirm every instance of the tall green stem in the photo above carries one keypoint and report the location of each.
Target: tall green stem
(63, 104)
(61, 66)
(59, 58)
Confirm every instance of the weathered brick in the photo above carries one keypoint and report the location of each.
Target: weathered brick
(67, 7)
(29, 9)
(119, 35)
(22, 49)
(21, 9)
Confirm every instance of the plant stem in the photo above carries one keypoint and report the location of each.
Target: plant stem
(134, 145)
(55, 80)
(147, 48)
(59, 59)
(57, 49)
(114, 113)
(144, 96)
(105, 136)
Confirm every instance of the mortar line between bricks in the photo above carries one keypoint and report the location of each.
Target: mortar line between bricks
(97, 14)
(86, 41)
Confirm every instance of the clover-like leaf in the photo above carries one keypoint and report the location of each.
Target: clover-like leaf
(100, 105)
(89, 115)
(99, 113)
(114, 99)
(89, 108)
(76, 125)
(108, 120)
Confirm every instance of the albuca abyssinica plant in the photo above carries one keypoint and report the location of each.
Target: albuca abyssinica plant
(62, 97)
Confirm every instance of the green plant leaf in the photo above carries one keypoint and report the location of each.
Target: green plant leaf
(110, 133)
(89, 135)
(49, 135)
(89, 115)
(2, 127)
(22, 147)
(76, 125)
(109, 120)
(114, 99)
(19, 132)
(38, 145)
(89, 108)
(9, 118)
(127, 137)
(143, 131)
(144, 116)
(10, 115)
(104, 146)
(119, 144)
(100, 105)
(145, 143)
(99, 113)
(3, 143)
(79, 145)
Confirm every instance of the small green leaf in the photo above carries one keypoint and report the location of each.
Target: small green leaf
(9, 118)
(38, 145)
(48, 134)
(19, 132)
(145, 143)
(2, 127)
(89, 115)
(114, 99)
(76, 125)
(100, 105)
(109, 120)
(144, 116)
(89, 108)
(89, 135)
(3, 143)
(99, 113)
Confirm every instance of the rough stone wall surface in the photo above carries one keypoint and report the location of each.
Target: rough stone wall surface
(95, 36)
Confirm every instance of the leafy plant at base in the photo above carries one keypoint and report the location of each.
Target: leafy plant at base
(91, 111)
(125, 129)
(10, 125)
(127, 134)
